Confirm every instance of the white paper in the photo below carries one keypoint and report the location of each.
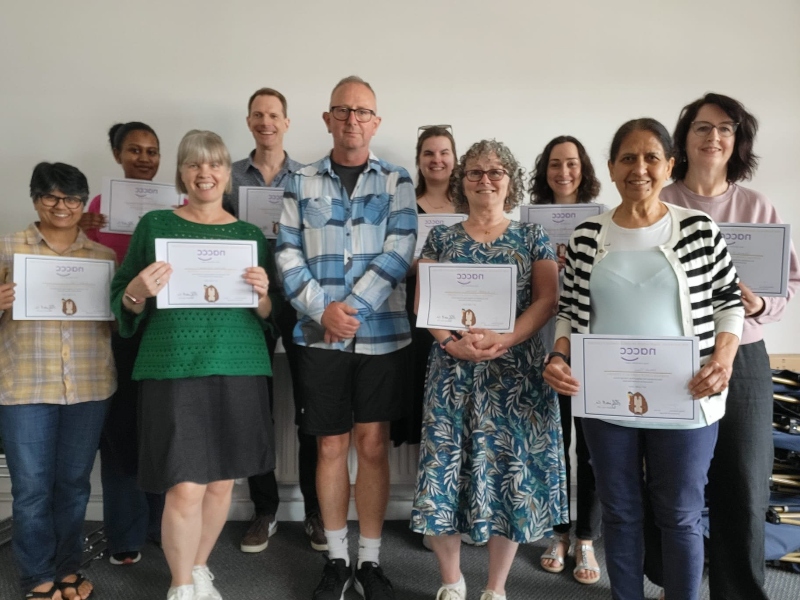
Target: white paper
(458, 296)
(261, 206)
(760, 253)
(51, 288)
(427, 222)
(632, 378)
(559, 220)
(125, 201)
(207, 273)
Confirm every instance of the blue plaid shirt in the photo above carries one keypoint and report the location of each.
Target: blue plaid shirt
(353, 250)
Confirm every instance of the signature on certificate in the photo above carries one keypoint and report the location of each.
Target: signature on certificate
(608, 403)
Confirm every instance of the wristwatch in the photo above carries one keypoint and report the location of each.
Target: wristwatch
(552, 355)
(446, 341)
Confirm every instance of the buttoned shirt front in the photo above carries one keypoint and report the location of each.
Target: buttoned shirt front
(356, 250)
(245, 173)
(53, 362)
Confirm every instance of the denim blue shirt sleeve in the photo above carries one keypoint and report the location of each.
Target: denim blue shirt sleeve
(353, 250)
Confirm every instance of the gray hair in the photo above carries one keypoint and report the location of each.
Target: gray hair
(201, 147)
(482, 149)
(353, 79)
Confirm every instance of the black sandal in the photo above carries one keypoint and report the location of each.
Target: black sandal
(47, 594)
(65, 585)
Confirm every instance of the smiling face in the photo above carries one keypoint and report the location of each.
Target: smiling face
(710, 151)
(58, 217)
(205, 182)
(139, 155)
(486, 193)
(350, 136)
(640, 168)
(436, 159)
(564, 173)
(267, 122)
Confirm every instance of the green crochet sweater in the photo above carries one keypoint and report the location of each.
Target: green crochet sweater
(186, 342)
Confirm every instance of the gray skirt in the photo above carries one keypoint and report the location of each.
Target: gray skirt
(203, 429)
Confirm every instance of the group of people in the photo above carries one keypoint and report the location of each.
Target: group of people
(189, 408)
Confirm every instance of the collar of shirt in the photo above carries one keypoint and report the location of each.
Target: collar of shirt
(289, 167)
(34, 237)
(325, 165)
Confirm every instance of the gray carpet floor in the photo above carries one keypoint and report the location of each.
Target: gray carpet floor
(290, 569)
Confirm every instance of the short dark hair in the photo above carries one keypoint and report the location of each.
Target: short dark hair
(119, 131)
(542, 193)
(49, 177)
(743, 162)
(428, 133)
(643, 124)
(265, 91)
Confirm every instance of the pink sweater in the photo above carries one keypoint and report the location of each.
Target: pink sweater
(118, 242)
(741, 205)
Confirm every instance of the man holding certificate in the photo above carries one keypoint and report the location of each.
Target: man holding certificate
(204, 404)
(648, 269)
(268, 168)
(346, 242)
(56, 377)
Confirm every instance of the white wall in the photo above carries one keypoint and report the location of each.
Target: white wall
(520, 71)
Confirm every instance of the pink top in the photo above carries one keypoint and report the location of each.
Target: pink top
(118, 242)
(741, 205)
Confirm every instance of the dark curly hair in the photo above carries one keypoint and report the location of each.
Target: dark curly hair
(516, 185)
(542, 193)
(428, 133)
(743, 162)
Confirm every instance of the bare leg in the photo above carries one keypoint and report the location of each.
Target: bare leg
(333, 480)
(181, 527)
(447, 549)
(216, 502)
(372, 481)
(501, 555)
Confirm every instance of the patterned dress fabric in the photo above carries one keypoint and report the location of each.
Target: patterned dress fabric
(491, 457)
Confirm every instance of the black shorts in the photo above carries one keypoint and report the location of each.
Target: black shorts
(341, 388)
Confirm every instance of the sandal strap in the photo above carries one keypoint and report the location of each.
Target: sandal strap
(79, 579)
(552, 551)
(48, 594)
(583, 550)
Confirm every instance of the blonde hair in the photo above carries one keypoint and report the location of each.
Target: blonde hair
(201, 147)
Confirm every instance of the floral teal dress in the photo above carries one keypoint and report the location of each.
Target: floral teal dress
(491, 458)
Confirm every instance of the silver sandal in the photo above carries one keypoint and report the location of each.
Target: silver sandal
(583, 550)
(552, 554)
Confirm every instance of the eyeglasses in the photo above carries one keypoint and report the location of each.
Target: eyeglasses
(423, 128)
(71, 202)
(342, 113)
(703, 128)
(493, 174)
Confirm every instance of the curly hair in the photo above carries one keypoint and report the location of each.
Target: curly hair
(428, 133)
(482, 149)
(743, 162)
(542, 193)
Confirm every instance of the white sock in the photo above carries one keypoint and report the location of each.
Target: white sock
(337, 544)
(460, 585)
(369, 550)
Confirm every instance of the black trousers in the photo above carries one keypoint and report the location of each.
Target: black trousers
(589, 513)
(264, 487)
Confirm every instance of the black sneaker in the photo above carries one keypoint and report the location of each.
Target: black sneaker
(336, 578)
(372, 584)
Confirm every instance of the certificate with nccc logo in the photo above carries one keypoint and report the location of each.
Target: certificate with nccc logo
(559, 220)
(51, 288)
(760, 253)
(460, 296)
(125, 201)
(631, 378)
(207, 273)
(262, 206)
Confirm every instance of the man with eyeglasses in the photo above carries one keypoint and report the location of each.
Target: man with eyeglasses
(346, 241)
(269, 165)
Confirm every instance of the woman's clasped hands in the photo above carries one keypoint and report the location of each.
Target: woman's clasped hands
(477, 345)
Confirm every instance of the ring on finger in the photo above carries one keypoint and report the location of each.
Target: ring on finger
(158, 282)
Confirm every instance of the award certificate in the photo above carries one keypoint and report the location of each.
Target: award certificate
(207, 273)
(559, 220)
(760, 253)
(51, 288)
(126, 200)
(629, 378)
(459, 296)
(427, 222)
(261, 206)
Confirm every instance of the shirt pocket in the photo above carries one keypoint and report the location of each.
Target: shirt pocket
(376, 208)
(318, 212)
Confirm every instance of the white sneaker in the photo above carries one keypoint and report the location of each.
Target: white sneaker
(203, 584)
(459, 592)
(181, 592)
(491, 595)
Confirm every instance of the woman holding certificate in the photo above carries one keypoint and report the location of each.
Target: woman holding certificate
(491, 458)
(650, 269)
(563, 174)
(714, 140)
(55, 380)
(204, 406)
